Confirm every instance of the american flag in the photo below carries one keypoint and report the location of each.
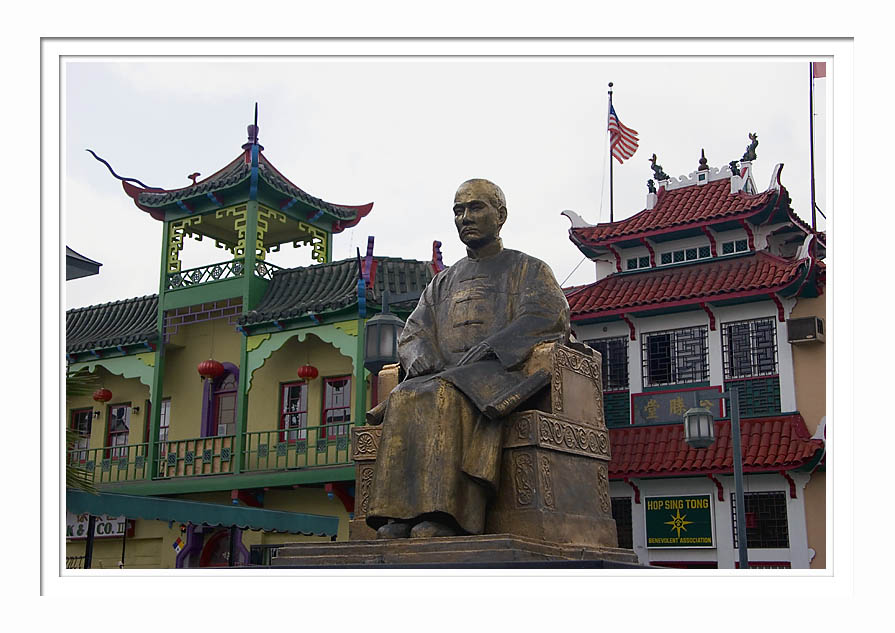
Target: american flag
(622, 139)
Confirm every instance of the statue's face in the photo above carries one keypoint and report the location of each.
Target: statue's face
(478, 221)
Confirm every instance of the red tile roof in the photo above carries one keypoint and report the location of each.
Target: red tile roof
(687, 205)
(769, 444)
(756, 273)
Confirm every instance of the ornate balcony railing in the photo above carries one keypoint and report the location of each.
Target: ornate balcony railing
(200, 456)
(278, 450)
(205, 274)
(265, 270)
(112, 464)
(308, 447)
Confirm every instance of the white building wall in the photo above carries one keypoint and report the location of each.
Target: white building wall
(698, 317)
(797, 554)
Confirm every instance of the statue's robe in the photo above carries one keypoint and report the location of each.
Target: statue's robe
(439, 454)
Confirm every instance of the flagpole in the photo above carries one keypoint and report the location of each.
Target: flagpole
(811, 132)
(610, 156)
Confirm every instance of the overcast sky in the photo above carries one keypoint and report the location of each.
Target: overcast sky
(403, 134)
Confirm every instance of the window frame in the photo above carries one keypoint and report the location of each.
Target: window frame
(82, 435)
(216, 393)
(301, 431)
(702, 251)
(675, 367)
(754, 361)
(342, 428)
(610, 366)
(764, 542)
(115, 451)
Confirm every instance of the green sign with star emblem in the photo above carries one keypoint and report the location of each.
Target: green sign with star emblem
(679, 521)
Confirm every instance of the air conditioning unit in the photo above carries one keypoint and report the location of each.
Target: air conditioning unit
(805, 330)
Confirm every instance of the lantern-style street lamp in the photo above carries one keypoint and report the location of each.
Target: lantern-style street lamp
(381, 337)
(699, 432)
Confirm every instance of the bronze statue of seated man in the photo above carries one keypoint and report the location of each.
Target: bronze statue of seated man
(462, 351)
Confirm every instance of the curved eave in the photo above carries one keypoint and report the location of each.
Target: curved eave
(771, 444)
(755, 216)
(297, 319)
(225, 187)
(794, 286)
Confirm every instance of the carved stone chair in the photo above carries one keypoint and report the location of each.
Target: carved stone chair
(554, 481)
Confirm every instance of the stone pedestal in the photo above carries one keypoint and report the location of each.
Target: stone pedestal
(365, 440)
(486, 551)
(554, 482)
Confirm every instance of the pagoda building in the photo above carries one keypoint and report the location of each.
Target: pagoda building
(222, 423)
(714, 285)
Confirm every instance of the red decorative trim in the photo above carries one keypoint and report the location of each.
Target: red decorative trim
(618, 257)
(636, 489)
(672, 304)
(712, 242)
(437, 262)
(685, 225)
(339, 490)
(652, 253)
(711, 316)
(251, 499)
(749, 233)
(718, 485)
(779, 305)
(626, 319)
(792, 484)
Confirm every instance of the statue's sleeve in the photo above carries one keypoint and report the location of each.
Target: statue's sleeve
(418, 343)
(539, 313)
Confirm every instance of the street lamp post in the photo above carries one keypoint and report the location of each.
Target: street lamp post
(699, 433)
(381, 339)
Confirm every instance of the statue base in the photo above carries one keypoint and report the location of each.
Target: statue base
(485, 551)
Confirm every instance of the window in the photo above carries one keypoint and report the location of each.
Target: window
(81, 423)
(336, 406)
(675, 356)
(685, 255)
(615, 361)
(749, 348)
(736, 246)
(163, 426)
(621, 512)
(294, 411)
(766, 524)
(119, 429)
(224, 420)
(638, 262)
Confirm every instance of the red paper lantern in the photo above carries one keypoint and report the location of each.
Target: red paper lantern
(307, 372)
(102, 395)
(210, 369)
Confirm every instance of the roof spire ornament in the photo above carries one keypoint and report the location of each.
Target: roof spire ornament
(253, 132)
(703, 163)
(734, 168)
(657, 169)
(750, 150)
(650, 186)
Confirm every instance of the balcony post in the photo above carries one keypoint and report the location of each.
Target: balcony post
(158, 370)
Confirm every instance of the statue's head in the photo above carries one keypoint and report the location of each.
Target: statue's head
(480, 209)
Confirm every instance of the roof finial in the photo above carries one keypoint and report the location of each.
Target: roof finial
(657, 169)
(703, 163)
(750, 150)
(253, 132)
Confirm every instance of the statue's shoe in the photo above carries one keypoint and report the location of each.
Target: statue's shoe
(428, 529)
(393, 530)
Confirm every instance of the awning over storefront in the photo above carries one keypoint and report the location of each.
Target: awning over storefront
(198, 513)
